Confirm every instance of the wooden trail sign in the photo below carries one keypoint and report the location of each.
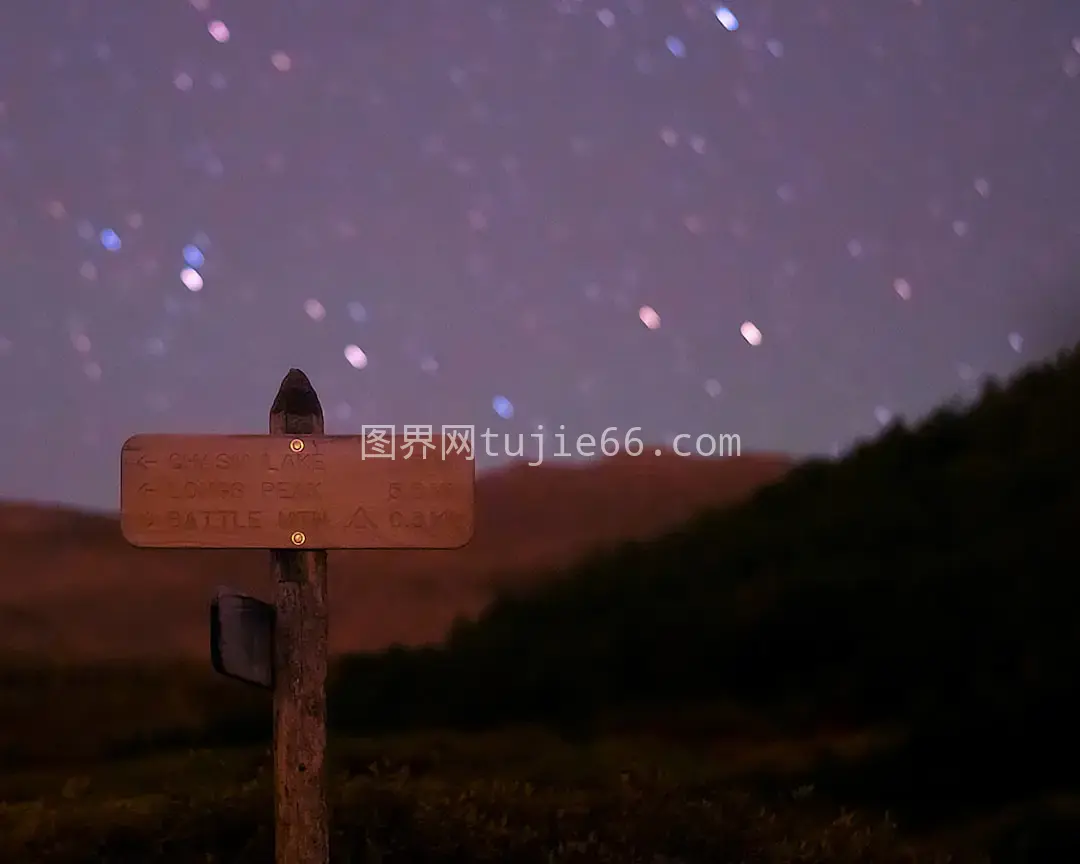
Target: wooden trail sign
(296, 492)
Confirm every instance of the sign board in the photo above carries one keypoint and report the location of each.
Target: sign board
(242, 638)
(295, 492)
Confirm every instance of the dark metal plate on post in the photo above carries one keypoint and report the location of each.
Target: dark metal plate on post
(242, 638)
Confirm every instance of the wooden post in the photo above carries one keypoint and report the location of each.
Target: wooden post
(300, 660)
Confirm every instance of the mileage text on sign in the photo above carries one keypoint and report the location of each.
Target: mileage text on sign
(306, 491)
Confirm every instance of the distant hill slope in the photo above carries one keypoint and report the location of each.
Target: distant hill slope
(932, 574)
(72, 587)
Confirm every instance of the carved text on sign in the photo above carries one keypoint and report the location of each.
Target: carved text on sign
(258, 491)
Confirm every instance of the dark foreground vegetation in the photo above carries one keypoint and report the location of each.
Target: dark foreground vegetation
(891, 638)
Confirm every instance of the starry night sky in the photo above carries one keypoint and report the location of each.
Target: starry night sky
(481, 197)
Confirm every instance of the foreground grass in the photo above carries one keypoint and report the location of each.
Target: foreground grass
(518, 796)
(168, 764)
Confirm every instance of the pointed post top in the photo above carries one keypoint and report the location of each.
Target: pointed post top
(297, 378)
(296, 409)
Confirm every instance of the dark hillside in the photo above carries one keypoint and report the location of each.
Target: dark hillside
(929, 580)
(93, 597)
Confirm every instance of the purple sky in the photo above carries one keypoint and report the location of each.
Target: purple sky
(481, 197)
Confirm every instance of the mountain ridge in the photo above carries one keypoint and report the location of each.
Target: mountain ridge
(88, 595)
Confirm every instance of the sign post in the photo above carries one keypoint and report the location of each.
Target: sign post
(300, 654)
(296, 492)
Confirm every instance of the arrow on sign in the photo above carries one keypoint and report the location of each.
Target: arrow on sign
(143, 462)
(146, 487)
